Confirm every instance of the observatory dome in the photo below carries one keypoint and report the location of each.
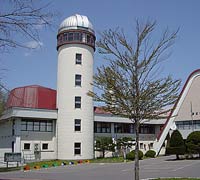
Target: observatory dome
(76, 22)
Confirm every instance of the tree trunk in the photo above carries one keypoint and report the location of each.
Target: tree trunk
(177, 156)
(103, 153)
(137, 150)
(124, 154)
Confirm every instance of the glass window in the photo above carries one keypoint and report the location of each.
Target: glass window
(30, 126)
(123, 128)
(77, 36)
(147, 129)
(27, 146)
(70, 37)
(77, 126)
(101, 127)
(77, 148)
(151, 145)
(65, 36)
(196, 124)
(36, 126)
(43, 126)
(78, 58)
(45, 146)
(49, 126)
(181, 125)
(77, 102)
(141, 146)
(77, 80)
(88, 39)
(23, 125)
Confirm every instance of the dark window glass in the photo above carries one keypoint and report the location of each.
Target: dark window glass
(101, 127)
(44, 126)
(65, 36)
(45, 146)
(23, 125)
(147, 129)
(30, 126)
(196, 124)
(26, 146)
(77, 126)
(49, 126)
(78, 102)
(78, 58)
(13, 146)
(36, 126)
(77, 148)
(88, 39)
(123, 128)
(70, 37)
(77, 36)
(77, 80)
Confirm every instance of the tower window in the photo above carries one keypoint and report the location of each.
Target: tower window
(77, 80)
(78, 58)
(77, 101)
(70, 37)
(77, 148)
(77, 125)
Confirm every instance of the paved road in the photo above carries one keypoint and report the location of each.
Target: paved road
(149, 168)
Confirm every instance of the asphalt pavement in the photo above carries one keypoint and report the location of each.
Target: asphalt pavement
(164, 166)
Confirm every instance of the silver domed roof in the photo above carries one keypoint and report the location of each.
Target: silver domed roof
(76, 22)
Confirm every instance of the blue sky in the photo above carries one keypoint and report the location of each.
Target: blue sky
(28, 67)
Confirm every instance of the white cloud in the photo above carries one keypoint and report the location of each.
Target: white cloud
(34, 44)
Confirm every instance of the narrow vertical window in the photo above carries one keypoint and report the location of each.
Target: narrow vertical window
(77, 80)
(13, 146)
(78, 58)
(77, 102)
(77, 125)
(77, 148)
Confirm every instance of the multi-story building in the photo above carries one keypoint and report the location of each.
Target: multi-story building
(62, 123)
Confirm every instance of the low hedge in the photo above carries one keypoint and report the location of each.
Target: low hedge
(131, 155)
(150, 153)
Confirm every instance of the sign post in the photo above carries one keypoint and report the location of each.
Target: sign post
(12, 157)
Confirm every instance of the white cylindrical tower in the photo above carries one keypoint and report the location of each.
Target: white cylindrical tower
(75, 45)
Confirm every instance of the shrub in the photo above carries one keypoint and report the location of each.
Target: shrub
(193, 143)
(131, 155)
(176, 144)
(150, 153)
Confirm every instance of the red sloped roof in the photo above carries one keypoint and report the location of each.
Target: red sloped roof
(32, 97)
(100, 110)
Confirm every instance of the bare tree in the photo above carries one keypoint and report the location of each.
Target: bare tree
(21, 20)
(129, 85)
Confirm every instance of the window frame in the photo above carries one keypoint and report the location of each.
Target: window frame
(45, 144)
(77, 103)
(78, 59)
(27, 149)
(77, 126)
(77, 148)
(37, 125)
(78, 79)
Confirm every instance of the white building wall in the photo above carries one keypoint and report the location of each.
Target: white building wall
(66, 92)
(6, 137)
(39, 138)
